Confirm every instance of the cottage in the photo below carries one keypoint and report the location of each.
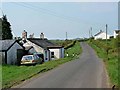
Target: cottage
(41, 45)
(49, 50)
(116, 33)
(10, 51)
(101, 35)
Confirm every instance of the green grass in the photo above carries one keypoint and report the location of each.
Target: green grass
(0, 77)
(111, 62)
(15, 74)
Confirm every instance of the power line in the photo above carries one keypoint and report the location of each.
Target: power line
(50, 12)
(34, 8)
(58, 15)
(2, 11)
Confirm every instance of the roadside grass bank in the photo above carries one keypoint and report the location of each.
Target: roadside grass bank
(13, 75)
(110, 59)
(0, 76)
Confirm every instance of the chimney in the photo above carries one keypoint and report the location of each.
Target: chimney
(100, 30)
(42, 35)
(24, 35)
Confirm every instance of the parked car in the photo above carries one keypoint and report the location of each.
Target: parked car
(31, 59)
(40, 55)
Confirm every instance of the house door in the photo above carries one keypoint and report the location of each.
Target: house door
(2, 58)
(20, 53)
(41, 56)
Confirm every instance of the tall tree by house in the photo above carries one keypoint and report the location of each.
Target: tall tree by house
(0, 28)
(6, 29)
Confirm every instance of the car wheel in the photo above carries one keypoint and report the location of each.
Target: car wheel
(34, 64)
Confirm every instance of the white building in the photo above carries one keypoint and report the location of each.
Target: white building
(49, 50)
(101, 35)
(10, 51)
(116, 33)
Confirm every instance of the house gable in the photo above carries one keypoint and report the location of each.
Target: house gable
(101, 35)
(30, 45)
(12, 53)
(9, 50)
(116, 32)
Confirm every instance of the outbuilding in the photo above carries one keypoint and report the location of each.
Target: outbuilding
(10, 51)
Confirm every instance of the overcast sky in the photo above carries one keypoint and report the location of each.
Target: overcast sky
(54, 19)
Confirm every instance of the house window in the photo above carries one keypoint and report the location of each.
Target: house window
(52, 54)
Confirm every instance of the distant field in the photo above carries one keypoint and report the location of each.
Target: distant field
(15, 74)
(64, 43)
(111, 60)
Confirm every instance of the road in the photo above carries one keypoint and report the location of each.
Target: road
(86, 72)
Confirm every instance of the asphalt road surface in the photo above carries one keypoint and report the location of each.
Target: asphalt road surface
(86, 72)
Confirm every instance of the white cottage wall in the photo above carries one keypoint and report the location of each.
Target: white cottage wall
(102, 36)
(115, 34)
(56, 53)
(36, 47)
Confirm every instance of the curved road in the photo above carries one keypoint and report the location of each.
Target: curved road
(86, 72)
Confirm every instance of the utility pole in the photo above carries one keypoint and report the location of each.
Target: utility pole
(106, 40)
(106, 33)
(91, 32)
(66, 36)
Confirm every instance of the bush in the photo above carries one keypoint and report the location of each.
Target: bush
(117, 42)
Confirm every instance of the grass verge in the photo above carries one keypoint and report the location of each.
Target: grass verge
(13, 75)
(111, 63)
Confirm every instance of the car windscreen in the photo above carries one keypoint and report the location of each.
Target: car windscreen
(27, 58)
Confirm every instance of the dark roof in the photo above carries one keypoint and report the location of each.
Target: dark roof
(117, 31)
(44, 43)
(99, 33)
(7, 44)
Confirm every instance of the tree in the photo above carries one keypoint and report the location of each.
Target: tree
(117, 42)
(6, 30)
(0, 28)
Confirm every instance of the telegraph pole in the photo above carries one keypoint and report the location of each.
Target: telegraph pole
(66, 36)
(91, 32)
(106, 33)
(106, 40)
